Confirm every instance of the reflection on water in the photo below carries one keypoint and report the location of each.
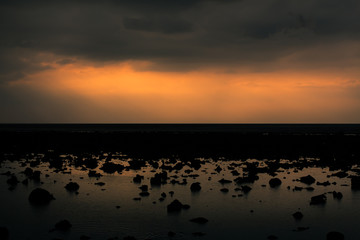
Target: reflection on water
(257, 214)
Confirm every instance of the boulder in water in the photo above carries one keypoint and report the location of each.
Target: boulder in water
(40, 196)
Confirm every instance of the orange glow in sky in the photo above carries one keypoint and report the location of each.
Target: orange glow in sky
(128, 95)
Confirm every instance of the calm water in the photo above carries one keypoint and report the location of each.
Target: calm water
(262, 212)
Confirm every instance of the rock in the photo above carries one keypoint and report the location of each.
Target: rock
(337, 195)
(36, 176)
(94, 174)
(171, 193)
(136, 199)
(224, 190)
(200, 220)
(40, 196)
(274, 182)
(25, 182)
(298, 215)
(138, 178)
(110, 167)
(195, 187)
(335, 236)
(4, 233)
(341, 174)
(224, 181)
(28, 172)
(175, 206)
(159, 178)
(218, 169)
(13, 181)
(327, 183)
(319, 199)
(72, 186)
(245, 189)
(144, 194)
(272, 237)
(307, 179)
(185, 206)
(63, 225)
(144, 188)
(100, 183)
(163, 195)
(355, 183)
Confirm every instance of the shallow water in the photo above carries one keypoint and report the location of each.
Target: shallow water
(262, 212)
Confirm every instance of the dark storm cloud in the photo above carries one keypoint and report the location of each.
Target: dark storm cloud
(167, 26)
(174, 35)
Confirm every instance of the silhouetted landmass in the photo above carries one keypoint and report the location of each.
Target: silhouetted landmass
(331, 143)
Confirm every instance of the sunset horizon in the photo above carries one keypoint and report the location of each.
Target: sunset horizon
(179, 62)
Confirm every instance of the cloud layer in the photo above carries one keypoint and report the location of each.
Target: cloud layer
(180, 35)
(274, 60)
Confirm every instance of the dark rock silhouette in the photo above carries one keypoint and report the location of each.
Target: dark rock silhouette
(274, 182)
(40, 196)
(110, 167)
(298, 215)
(200, 220)
(341, 174)
(245, 189)
(100, 183)
(36, 176)
(185, 206)
(171, 234)
(307, 179)
(195, 187)
(4, 233)
(218, 169)
(138, 178)
(319, 199)
(176, 206)
(355, 183)
(159, 178)
(224, 181)
(93, 173)
(63, 225)
(337, 195)
(327, 183)
(28, 172)
(272, 237)
(25, 182)
(224, 190)
(72, 186)
(144, 188)
(13, 181)
(335, 236)
(144, 194)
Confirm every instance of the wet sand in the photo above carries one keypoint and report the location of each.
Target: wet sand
(180, 184)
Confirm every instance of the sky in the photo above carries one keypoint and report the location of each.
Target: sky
(188, 61)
